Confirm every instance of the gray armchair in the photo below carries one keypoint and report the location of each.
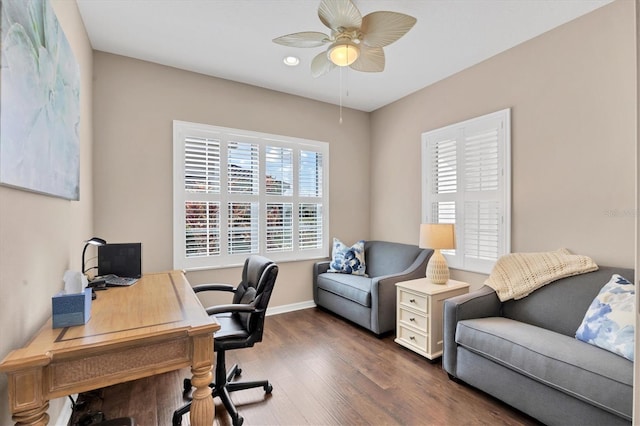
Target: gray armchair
(370, 301)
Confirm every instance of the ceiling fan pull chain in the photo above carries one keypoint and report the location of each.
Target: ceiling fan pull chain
(346, 81)
(340, 121)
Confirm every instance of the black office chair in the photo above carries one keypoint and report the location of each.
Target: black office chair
(241, 326)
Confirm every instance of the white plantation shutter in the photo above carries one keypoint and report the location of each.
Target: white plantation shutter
(242, 168)
(312, 200)
(279, 227)
(202, 233)
(444, 162)
(242, 228)
(481, 160)
(279, 164)
(238, 193)
(201, 178)
(443, 159)
(482, 231)
(202, 165)
(466, 172)
(310, 228)
(444, 212)
(310, 174)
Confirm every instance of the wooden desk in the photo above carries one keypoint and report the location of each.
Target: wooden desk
(156, 325)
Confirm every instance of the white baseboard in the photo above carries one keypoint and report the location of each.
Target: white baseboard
(290, 308)
(65, 414)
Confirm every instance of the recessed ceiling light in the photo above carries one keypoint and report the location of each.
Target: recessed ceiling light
(291, 61)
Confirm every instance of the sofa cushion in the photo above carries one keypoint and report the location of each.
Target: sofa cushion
(351, 287)
(387, 258)
(560, 306)
(610, 320)
(348, 260)
(586, 372)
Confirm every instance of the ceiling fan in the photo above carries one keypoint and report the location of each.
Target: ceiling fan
(355, 41)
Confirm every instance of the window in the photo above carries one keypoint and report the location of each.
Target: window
(466, 181)
(238, 193)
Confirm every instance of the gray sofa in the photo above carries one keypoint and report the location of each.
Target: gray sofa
(524, 352)
(370, 301)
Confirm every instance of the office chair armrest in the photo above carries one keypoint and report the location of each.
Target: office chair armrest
(214, 287)
(232, 307)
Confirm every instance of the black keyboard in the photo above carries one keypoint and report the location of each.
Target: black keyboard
(116, 281)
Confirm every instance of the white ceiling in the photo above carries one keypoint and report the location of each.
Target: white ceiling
(232, 39)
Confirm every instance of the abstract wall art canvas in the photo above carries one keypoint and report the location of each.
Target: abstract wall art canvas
(39, 102)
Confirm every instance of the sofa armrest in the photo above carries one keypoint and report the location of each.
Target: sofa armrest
(318, 268)
(480, 303)
(383, 293)
(414, 271)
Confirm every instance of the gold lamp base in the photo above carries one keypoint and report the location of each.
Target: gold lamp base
(437, 269)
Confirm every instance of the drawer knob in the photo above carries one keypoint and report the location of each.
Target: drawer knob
(412, 319)
(412, 337)
(412, 300)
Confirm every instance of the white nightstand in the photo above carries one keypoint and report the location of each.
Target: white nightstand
(419, 314)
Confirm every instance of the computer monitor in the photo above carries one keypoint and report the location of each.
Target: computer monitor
(123, 260)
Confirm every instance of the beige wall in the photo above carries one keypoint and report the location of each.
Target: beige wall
(572, 94)
(135, 103)
(41, 236)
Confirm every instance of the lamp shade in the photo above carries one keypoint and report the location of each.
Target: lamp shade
(95, 241)
(437, 236)
(343, 53)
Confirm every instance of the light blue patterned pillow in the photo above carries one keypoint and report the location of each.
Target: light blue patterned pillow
(610, 320)
(348, 260)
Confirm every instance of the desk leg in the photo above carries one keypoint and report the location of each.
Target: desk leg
(202, 406)
(35, 417)
(26, 401)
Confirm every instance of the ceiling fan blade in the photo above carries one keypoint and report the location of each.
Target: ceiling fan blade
(371, 59)
(320, 65)
(382, 28)
(304, 39)
(339, 13)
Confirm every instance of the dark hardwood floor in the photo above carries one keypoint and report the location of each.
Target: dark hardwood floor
(324, 371)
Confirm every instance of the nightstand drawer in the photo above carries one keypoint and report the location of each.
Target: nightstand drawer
(413, 300)
(412, 338)
(421, 322)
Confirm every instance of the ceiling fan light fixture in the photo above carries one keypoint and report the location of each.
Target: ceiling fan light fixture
(343, 53)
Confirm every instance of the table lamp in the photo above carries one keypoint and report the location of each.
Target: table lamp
(95, 241)
(437, 236)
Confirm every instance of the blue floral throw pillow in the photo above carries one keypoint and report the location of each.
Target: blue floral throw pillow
(347, 260)
(610, 320)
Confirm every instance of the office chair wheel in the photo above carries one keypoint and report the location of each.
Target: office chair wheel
(238, 421)
(268, 388)
(238, 372)
(186, 385)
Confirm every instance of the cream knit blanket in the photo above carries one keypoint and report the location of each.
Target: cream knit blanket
(516, 275)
